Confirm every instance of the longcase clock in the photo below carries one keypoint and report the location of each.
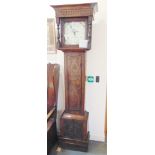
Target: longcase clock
(74, 27)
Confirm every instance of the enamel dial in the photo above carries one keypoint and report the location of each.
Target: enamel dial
(74, 32)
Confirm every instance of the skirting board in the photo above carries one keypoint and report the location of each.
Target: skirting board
(97, 138)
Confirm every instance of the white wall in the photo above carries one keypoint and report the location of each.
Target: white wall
(95, 95)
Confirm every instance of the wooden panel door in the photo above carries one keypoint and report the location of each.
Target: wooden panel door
(74, 82)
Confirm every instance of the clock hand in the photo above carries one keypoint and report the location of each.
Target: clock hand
(75, 32)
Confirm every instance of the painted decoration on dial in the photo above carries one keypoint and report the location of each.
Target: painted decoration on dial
(74, 32)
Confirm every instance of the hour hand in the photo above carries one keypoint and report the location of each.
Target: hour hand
(74, 32)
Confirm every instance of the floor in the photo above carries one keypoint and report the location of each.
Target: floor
(95, 148)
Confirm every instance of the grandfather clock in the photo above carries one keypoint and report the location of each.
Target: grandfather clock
(74, 27)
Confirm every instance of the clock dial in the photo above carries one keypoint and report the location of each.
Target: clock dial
(74, 32)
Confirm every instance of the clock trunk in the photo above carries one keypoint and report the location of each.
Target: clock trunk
(74, 82)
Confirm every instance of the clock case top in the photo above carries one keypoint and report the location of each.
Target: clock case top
(74, 12)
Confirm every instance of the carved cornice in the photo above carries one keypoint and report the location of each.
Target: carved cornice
(75, 10)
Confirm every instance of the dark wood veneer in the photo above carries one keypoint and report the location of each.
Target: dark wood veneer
(75, 82)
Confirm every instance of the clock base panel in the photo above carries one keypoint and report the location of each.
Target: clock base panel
(74, 144)
(73, 131)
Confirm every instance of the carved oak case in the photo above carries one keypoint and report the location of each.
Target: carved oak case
(74, 32)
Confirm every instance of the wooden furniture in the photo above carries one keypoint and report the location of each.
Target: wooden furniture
(52, 94)
(74, 26)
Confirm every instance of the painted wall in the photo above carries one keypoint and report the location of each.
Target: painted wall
(95, 95)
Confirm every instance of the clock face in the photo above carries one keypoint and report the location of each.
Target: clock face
(74, 32)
